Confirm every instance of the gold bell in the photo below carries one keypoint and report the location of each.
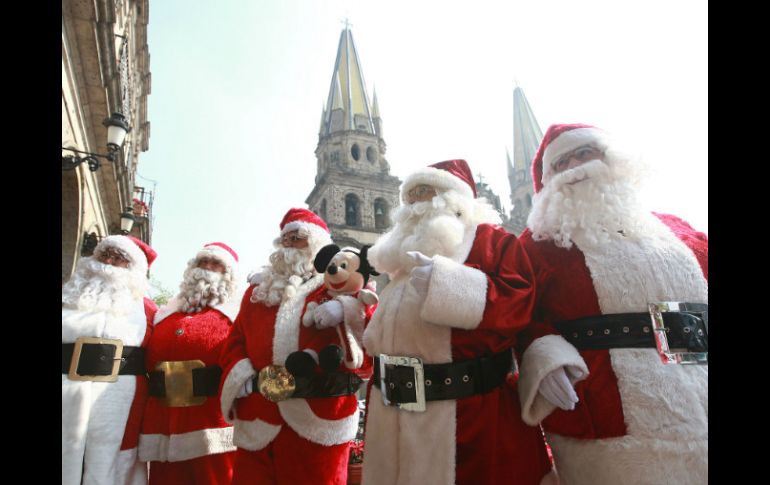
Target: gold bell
(276, 383)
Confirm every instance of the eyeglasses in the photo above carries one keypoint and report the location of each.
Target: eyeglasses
(292, 238)
(583, 153)
(420, 191)
(113, 255)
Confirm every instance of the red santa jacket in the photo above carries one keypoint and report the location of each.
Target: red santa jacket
(628, 394)
(263, 336)
(184, 433)
(477, 303)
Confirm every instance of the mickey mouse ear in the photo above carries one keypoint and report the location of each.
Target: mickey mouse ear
(367, 268)
(324, 256)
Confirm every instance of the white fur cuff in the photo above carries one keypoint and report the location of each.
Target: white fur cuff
(457, 295)
(238, 375)
(544, 355)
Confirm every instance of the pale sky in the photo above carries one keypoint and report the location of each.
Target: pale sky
(238, 87)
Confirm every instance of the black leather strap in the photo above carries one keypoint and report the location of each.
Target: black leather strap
(453, 380)
(327, 384)
(97, 360)
(205, 382)
(685, 330)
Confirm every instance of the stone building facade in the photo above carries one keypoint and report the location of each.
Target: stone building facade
(105, 70)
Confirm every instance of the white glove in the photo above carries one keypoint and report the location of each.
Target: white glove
(246, 389)
(328, 315)
(255, 278)
(420, 275)
(557, 389)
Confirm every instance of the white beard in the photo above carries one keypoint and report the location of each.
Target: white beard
(97, 286)
(289, 268)
(589, 204)
(435, 227)
(202, 288)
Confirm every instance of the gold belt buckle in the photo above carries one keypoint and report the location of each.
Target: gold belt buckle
(112, 377)
(276, 383)
(178, 381)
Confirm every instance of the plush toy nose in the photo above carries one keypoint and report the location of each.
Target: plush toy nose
(332, 269)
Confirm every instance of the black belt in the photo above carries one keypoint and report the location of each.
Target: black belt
(453, 380)
(327, 384)
(205, 382)
(685, 329)
(98, 360)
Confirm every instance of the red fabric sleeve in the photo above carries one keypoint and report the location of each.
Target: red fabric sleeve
(234, 346)
(510, 280)
(697, 241)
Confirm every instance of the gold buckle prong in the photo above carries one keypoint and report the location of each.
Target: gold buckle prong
(75, 361)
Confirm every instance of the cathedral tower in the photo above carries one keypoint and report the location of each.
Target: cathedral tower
(526, 139)
(354, 191)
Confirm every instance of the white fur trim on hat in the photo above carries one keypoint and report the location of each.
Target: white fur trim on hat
(219, 253)
(435, 177)
(138, 260)
(568, 141)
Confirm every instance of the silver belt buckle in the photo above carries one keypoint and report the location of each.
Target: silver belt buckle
(668, 356)
(418, 382)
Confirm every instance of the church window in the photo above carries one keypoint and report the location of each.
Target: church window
(352, 211)
(380, 214)
(371, 154)
(355, 151)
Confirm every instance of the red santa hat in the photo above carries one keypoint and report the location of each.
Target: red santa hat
(561, 139)
(140, 254)
(309, 224)
(447, 175)
(220, 252)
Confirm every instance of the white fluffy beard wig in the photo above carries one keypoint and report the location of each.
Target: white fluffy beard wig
(202, 288)
(435, 227)
(97, 286)
(589, 204)
(288, 269)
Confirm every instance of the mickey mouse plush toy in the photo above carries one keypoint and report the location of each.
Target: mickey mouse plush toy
(346, 278)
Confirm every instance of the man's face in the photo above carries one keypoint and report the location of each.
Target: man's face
(293, 239)
(575, 158)
(211, 264)
(113, 257)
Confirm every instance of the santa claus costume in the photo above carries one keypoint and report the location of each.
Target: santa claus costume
(637, 421)
(101, 415)
(478, 299)
(184, 436)
(297, 441)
